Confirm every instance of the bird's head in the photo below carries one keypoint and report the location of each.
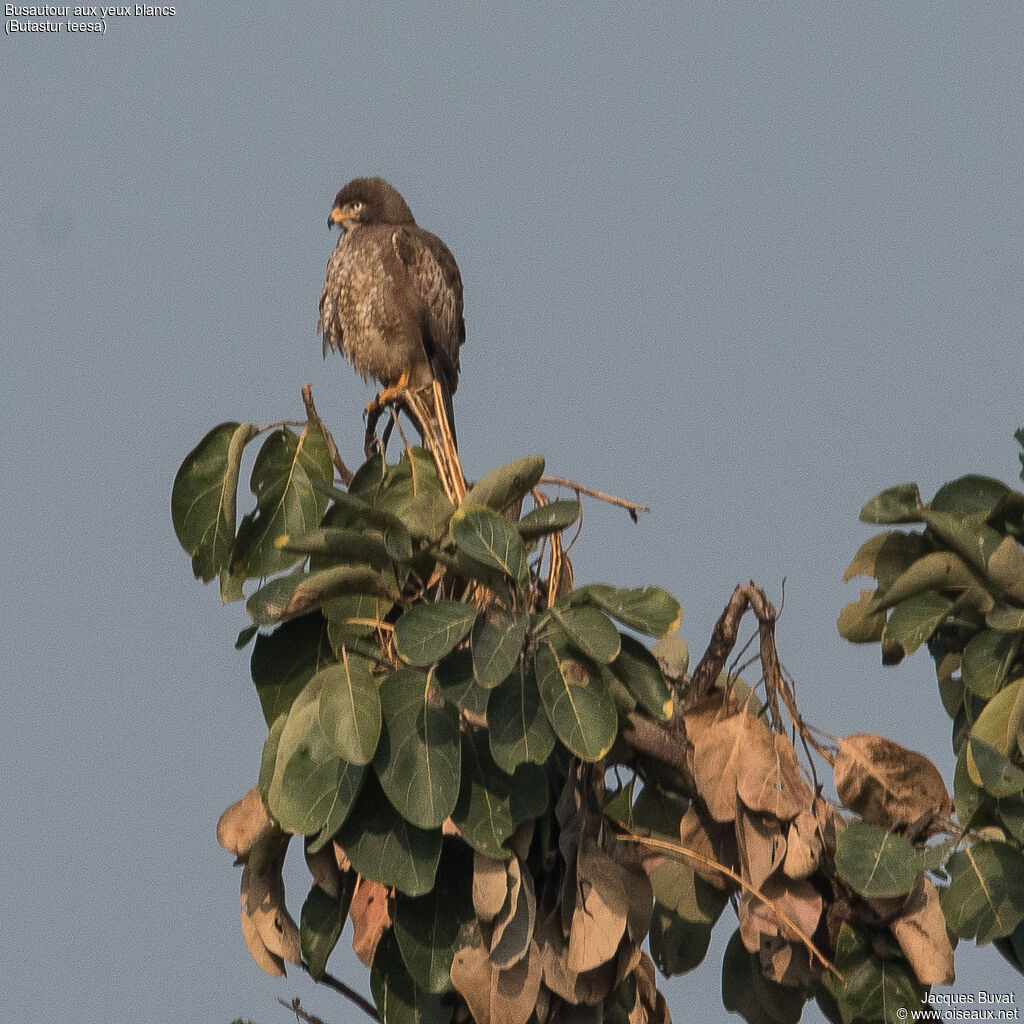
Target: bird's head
(368, 201)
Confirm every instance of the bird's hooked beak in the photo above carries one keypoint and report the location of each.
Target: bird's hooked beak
(341, 216)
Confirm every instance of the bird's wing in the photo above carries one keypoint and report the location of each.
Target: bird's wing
(434, 277)
(329, 320)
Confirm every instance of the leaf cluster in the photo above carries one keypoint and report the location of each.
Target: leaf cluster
(952, 579)
(443, 707)
(429, 677)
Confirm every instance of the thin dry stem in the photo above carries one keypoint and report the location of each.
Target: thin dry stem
(343, 471)
(707, 862)
(631, 507)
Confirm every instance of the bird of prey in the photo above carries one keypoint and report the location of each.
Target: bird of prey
(392, 295)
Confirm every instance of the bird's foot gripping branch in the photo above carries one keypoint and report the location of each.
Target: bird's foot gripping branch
(527, 809)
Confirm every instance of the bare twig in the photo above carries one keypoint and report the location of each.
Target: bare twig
(300, 1013)
(690, 856)
(330, 981)
(631, 507)
(343, 471)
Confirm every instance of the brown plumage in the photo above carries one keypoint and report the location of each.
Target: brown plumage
(392, 295)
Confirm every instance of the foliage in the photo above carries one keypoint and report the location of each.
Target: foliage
(956, 586)
(509, 790)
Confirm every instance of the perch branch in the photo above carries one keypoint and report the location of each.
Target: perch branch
(631, 507)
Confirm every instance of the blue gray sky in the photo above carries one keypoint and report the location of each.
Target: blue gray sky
(748, 263)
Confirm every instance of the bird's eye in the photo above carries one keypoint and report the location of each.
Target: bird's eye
(357, 206)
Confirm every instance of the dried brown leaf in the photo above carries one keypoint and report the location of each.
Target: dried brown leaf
(324, 869)
(803, 846)
(922, 934)
(886, 784)
(513, 927)
(599, 914)
(243, 823)
(799, 901)
(710, 840)
(589, 987)
(716, 758)
(768, 777)
(341, 858)
(830, 823)
(267, 926)
(371, 918)
(650, 1007)
(497, 996)
(490, 887)
(639, 892)
(761, 844)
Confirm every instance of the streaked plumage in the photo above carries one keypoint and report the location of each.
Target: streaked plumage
(392, 295)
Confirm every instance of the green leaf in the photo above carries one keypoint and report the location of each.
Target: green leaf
(496, 642)
(350, 708)
(872, 989)
(970, 537)
(398, 998)
(577, 702)
(492, 540)
(287, 503)
(746, 991)
(458, 685)
(677, 945)
(992, 769)
(418, 759)
(969, 495)
(412, 492)
(553, 517)
(342, 544)
(507, 484)
(204, 495)
(517, 725)
(682, 891)
(658, 812)
(353, 617)
(987, 660)
(323, 917)
(590, 631)
(297, 593)
(285, 660)
(876, 862)
(429, 630)
(493, 803)
(857, 624)
(649, 610)
(268, 759)
(384, 847)
(1012, 947)
(1006, 569)
(640, 673)
(429, 928)
(967, 796)
(985, 896)
(939, 570)
(900, 504)
(312, 790)
(672, 654)
(914, 620)
(886, 556)
(1001, 722)
(1007, 618)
